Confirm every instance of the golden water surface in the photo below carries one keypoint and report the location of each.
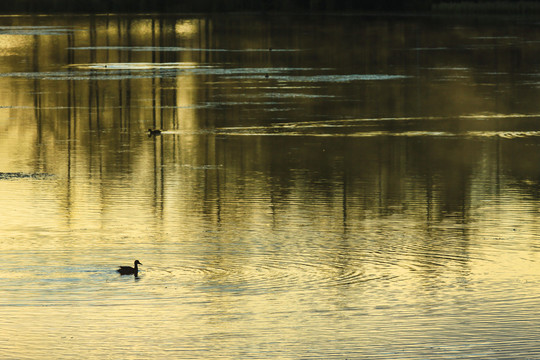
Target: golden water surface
(337, 187)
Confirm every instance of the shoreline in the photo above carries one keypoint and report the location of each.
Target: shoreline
(269, 7)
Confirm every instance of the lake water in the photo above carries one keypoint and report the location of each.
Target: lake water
(326, 187)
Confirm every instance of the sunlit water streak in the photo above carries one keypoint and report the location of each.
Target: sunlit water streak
(34, 30)
(176, 48)
(368, 127)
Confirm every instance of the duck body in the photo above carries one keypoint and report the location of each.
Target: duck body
(128, 270)
(154, 132)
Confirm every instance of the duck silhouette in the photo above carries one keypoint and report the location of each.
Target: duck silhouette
(154, 132)
(128, 270)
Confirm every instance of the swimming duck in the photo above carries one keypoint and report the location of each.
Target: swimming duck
(154, 132)
(128, 270)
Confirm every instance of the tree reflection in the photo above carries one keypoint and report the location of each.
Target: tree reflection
(242, 144)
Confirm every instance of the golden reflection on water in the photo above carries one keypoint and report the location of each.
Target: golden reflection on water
(13, 45)
(387, 226)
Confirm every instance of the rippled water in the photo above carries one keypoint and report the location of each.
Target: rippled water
(338, 187)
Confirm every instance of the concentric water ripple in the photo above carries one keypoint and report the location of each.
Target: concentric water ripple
(268, 272)
(268, 276)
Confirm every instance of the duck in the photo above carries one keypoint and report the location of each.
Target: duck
(154, 132)
(128, 270)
